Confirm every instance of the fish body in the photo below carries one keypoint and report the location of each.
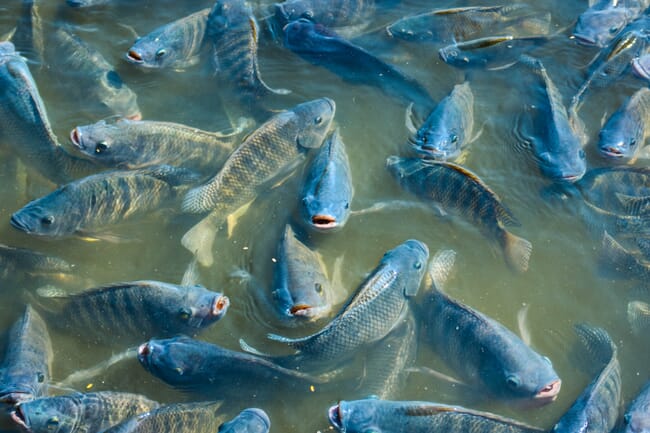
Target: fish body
(28, 36)
(490, 52)
(91, 204)
(596, 409)
(625, 132)
(327, 190)
(175, 45)
(621, 261)
(267, 154)
(637, 415)
(86, 3)
(449, 127)
(21, 260)
(387, 416)
(451, 187)
(638, 316)
(251, 420)
(322, 47)
(25, 371)
(301, 289)
(79, 413)
(602, 21)
(134, 311)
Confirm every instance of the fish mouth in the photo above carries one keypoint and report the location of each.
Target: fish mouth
(134, 57)
(220, 306)
(611, 152)
(13, 398)
(145, 350)
(18, 417)
(75, 137)
(550, 392)
(19, 224)
(335, 417)
(639, 70)
(135, 116)
(584, 40)
(324, 222)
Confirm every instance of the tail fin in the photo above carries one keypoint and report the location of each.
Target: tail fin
(199, 240)
(516, 251)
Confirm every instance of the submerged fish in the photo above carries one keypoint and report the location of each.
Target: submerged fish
(25, 371)
(327, 190)
(20, 261)
(615, 257)
(90, 205)
(449, 186)
(86, 3)
(28, 35)
(175, 45)
(603, 20)
(79, 413)
(134, 311)
(490, 52)
(625, 132)
(637, 415)
(268, 154)
(641, 66)
(385, 416)
(250, 420)
(638, 316)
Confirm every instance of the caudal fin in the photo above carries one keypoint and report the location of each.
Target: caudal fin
(199, 240)
(516, 251)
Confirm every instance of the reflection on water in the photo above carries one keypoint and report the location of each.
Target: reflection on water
(563, 285)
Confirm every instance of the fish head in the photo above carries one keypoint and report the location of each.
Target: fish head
(155, 50)
(105, 142)
(173, 360)
(251, 420)
(568, 167)
(409, 29)
(619, 139)
(53, 215)
(306, 36)
(525, 375)
(48, 414)
(325, 214)
(409, 259)
(117, 97)
(312, 121)
(85, 3)
(440, 143)
(641, 66)
(598, 27)
(637, 418)
(22, 385)
(291, 11)
(198, 308)
(403, 168)
(453, 55)
(355, 416)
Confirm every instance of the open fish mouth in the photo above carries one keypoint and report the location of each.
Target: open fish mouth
(220, 306)
(611, 152)
(75, 138)
(324, 222)
(18, 417)
(334, 415)
(19, 224)
(639, 69)
(134, 116)
(145, 350)
(301, 310)
(12, 398)
(550, 392)
(134, 57)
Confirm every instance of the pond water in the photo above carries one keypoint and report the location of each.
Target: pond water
(563, 285)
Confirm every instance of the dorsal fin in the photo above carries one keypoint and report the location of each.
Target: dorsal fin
(429, 409)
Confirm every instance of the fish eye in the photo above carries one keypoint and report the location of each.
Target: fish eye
(633, 142)
(318, 120)
(40, 377)
(581, 153)
(347, 206)
(417, 265)
(308, 15)
(318, 287)
(627, 418)
(161, 52)
(52, 423)
(101, 147)
(47, 220)
(453, 138)
(613, 29)
(179, 371)
(184, 314)
(512, 382)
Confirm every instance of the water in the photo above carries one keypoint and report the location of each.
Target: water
(563, 285)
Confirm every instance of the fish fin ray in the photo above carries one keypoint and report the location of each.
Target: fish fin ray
(638, 316)
(199, 240)
(440, 267)
(517, 251)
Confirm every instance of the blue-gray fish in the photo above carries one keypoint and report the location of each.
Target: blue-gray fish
(596, 409)
(482, 351)
(251, 420)
(134, 311)
(625, 132)
(175, 45)
(323, 47)
(602, 21)
(616, 258)
(641, 66)
(301, 289)
(448, 128)
(490, 52)
(25, 371)
(637, 415)
(86, 3)
(16, 262)
(90, 206)
(28, 35)
(79, 413)
(385, 416)
(450, 187)
(327, 191)
(268, 154)
(96, 83)
(465, 23)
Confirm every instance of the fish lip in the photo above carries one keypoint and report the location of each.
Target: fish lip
(324, 222)
(14, 397)
(220, 306)
(550, 392)
(611, 152)
(75, 138)
(639, 70)
(16, 222)
(585, 40)
(134, 57)
(18, 417)
(334, 415)
(136, 116)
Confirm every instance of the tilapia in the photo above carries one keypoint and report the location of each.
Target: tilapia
(175, 45)
(322, 47)
(25, 371)
(465, 23)
(614, 257)
(15, 262)
(86, 3)
(79, 413)
(603, 20)
(637, 415)
(28, 35)
(385, 416)
(252, 420)
(641, 66)
(638, 316)
(327, 191)
(134, 311)
(490, 52)
(596, 409)
(625, 132)
(88, 207)
(268, 154)
(96, 83)
(449, 186)
(483, 352)
(130, 144)
(449, 128)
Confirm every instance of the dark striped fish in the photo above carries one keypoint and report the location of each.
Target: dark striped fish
(20, 261)
(250, 420)
(134, 311)
(449, 186)
(79, 413)
(603, 20)
(175, 45)
(596, 409)
(201, 417)
(490, 52)
(268, 154)
(616, 258)
(385, 416)
(28, 35)
(25, 371)
(92, 204)
(637, 416)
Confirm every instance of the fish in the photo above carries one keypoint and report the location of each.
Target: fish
(616, 258)
(90, 206)
(97, 85)
(603, 20)
(196, 417)
(86, 3)
(555, 134)
(644, 243)
(21, 261)
(641, 66)
(301, 289)
(323, 47)
(448, 186)
(24, 125)
(596, 409)
(376, 308)
(251, 420)
(327, 190)
(79, 413)
(638, 316)
(484, 353)
(448, 129)
(625, 133)
(269, 153)
(386, 416)
(26, 369)
(637, 417)
(133, 311)
(490, 52)
(132, 144)
(28, 35)
(466, 23)
(175, 45)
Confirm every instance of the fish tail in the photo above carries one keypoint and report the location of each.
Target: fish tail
(200, 239)
(517, 251)
(638, 316)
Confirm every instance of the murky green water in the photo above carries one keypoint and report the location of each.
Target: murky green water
(563, 285)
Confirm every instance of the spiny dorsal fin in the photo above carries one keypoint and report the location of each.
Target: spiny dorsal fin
(429, 409)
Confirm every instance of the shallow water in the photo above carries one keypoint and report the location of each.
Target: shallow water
(563, 285)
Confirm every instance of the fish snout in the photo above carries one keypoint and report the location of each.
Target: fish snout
(145, 350)
(611, 152)
(220, 306)
(19, 223)
(324, 222)
(17, 415)
(334, 415)
(75, 138)
(549, 392)
(134, 57)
